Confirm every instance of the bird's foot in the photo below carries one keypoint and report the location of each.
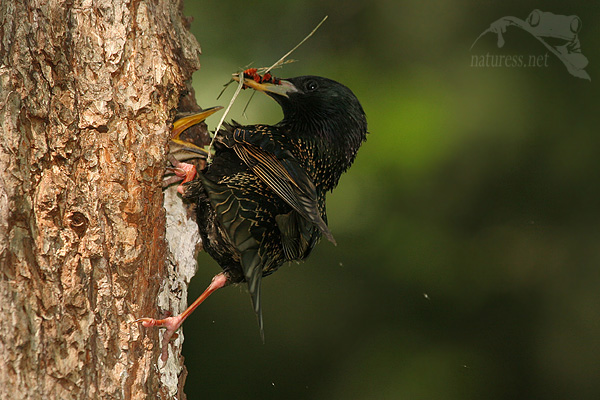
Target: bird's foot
(173, 323)
(182, 172)
(170, 323)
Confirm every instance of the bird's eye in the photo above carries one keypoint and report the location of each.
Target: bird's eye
(311, 85)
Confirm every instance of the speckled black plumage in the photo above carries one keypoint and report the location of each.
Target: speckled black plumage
(261, 202)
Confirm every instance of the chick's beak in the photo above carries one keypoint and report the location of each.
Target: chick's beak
(183, 150)
(183, 123)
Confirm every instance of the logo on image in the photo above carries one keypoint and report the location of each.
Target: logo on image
(557, 33)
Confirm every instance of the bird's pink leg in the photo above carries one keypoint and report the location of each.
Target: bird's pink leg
(183, 172)
(173, 323)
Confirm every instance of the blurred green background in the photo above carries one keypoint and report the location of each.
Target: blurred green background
(468, 255)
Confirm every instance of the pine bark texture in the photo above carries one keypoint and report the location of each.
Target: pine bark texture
(87, 93)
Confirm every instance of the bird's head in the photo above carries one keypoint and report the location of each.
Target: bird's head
(319, 107)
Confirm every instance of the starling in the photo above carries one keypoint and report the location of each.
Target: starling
(261, 202)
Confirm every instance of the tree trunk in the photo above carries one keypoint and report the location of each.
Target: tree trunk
(87, 94)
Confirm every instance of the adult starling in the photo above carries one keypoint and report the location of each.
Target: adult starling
(261, 202)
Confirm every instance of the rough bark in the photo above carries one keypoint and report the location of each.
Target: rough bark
(87, 94)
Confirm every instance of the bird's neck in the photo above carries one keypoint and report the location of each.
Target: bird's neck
(322, 158)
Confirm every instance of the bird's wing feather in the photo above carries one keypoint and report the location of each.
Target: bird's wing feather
(239, 217)
(297, 235)
(282, 172)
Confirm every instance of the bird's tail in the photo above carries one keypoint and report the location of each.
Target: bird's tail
(252, 266)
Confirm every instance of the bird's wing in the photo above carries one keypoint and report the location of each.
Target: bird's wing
(298, 235)
(282, 172)
(239, 216)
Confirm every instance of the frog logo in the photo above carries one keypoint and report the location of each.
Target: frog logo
(558, 33)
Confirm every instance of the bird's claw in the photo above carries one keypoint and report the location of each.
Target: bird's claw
(171, 324)
(146, 322)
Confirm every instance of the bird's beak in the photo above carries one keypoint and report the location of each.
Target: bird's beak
(282, 88)
(183, 123)
(183, 150)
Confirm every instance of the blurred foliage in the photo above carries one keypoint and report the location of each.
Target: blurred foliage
(468, 257)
